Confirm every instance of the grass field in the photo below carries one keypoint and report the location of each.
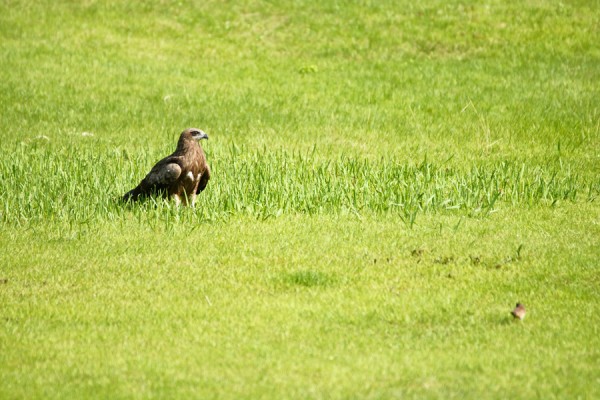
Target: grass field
(389, 179)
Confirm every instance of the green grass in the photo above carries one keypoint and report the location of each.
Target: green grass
(268, 183)
(389, 179)
(306, 307)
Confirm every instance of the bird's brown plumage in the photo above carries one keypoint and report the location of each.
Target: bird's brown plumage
(181, 175)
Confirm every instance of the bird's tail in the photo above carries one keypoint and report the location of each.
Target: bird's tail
(132, 195)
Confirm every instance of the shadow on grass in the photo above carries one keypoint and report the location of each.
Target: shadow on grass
(307, 278)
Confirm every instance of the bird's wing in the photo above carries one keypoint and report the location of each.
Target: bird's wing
(203, 180)
(161, 176)
(164, 173)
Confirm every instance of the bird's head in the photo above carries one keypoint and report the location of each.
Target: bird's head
(194, 133)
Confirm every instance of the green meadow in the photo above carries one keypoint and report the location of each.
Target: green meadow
(388, 179)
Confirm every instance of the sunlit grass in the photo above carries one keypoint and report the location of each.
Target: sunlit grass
(388, 179)
(83, 186)
(243, 308)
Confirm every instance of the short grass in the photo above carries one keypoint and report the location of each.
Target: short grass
(303, 307)
(389, 179)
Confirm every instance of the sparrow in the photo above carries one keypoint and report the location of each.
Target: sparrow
(519, 311)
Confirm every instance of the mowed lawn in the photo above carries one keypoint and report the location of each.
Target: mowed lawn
(389, 179)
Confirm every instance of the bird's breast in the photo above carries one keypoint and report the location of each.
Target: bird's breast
(188, 182)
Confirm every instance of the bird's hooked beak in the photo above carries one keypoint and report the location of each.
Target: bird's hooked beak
(199, 135)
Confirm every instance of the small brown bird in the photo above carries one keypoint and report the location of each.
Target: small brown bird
(519, 311)
(180, 176)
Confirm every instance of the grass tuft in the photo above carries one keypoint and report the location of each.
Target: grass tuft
(308, 278)
(85, 186)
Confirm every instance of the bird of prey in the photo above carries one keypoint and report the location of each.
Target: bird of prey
(180, 176)
(519, 311)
